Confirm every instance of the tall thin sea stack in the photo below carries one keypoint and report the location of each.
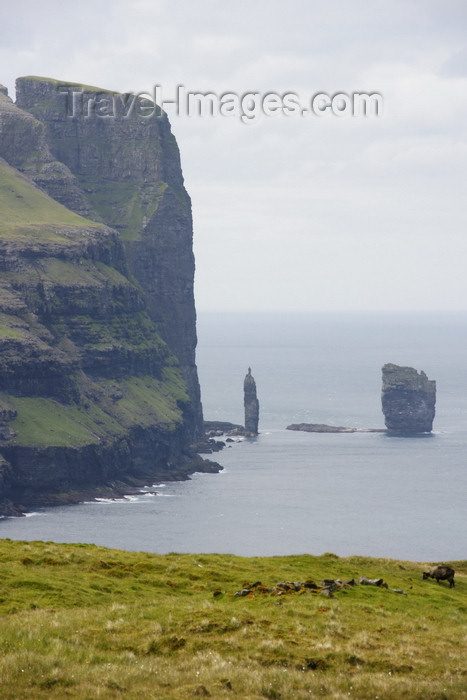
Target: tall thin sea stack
(408, 400)
(251, 404)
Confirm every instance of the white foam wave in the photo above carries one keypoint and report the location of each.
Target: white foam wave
(109, 501)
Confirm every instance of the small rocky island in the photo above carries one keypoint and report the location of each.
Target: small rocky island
(408, 400)
(408, 403)
(323, 428)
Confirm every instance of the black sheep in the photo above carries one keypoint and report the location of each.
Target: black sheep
(441, 573)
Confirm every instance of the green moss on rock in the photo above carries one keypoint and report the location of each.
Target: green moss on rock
(41, 421)
(133, 402)
(27, 212)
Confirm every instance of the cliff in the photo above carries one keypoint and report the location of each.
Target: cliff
(97, 321)
(408, 400)
(126, 161)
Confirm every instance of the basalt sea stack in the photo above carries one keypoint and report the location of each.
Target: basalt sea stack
(251, 404)
(98, 381)
(408, 400)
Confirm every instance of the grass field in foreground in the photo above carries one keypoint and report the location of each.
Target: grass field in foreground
(80, 621)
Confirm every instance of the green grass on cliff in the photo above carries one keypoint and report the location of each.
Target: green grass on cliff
(88, 273)
(104, 321)
(11, 327)
(27, 213)
(142, 401)
(125, 206)
(79, 621)
(130, 329)
(44, 422)
(147, 400)
(63, 83)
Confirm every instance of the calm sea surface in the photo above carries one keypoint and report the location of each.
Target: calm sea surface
(287, 492)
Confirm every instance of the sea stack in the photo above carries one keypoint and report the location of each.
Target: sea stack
(408, 400)
(251, 404)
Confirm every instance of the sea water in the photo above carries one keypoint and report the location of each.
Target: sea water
(289, 492)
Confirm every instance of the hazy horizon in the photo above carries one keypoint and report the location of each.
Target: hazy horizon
(291, 212)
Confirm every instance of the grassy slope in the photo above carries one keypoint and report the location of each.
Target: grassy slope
(28, 213)
(145, 401)
(124, 205)
(65, 83)
(85, 622)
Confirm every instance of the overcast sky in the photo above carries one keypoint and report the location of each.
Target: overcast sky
(291, 212)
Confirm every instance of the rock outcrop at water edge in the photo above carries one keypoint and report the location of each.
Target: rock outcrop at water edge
(408, 400)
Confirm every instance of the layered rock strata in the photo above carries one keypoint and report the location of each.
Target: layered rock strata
(251, 405)
(122, 153)
(97, 323)
(408, 400)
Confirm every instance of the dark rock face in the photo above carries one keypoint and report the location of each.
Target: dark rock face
(24, 146)
(408, 400)
(98, 381)
(251, 404)
(128, 170)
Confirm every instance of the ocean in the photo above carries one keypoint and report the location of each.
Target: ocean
(288, 492)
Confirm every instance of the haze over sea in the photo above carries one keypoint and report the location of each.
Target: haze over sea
(287, 492)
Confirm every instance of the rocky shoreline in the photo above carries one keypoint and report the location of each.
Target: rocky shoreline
(19, 504)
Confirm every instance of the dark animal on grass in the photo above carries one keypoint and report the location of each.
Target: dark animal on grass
(441, 573)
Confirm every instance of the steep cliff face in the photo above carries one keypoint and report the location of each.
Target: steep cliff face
(90, 392)
(408, 400)
(24, 146)
(124, 156)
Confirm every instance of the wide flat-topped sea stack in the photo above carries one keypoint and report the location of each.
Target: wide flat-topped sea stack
(408, 400)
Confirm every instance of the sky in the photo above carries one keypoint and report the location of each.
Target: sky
(294, 212)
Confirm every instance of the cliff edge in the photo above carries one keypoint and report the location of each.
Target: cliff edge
(97, 320)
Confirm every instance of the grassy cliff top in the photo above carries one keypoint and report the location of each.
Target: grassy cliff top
(81, 621)
(66, 83)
